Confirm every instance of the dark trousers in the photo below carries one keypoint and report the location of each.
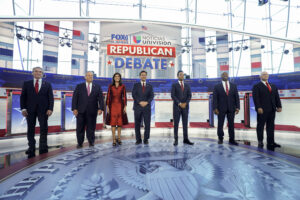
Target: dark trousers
(177, 112)
(230, 119)
(31, 122)
(86, 121)
(140, 114)
(266, 118)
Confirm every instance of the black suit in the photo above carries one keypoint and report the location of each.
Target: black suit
(180, 96)
(226, 105)
(142, 112)
(87, 107)
(268, 101)
(37, 105)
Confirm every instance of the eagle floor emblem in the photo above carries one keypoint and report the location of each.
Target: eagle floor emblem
(157, 171)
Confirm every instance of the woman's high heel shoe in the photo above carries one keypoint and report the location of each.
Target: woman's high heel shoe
(114, 143)
(119, 141)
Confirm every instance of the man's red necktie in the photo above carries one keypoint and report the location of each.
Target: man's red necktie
(36, 86)
(269, 87)
(227, 91)
(181, 85)
(143, 88)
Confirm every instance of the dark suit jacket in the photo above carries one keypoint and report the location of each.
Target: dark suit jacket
(138, 95)
(82, 102)
(225, 103)
(264, 99)
(181, 97)
(41, 102)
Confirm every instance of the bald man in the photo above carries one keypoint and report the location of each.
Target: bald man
(267, 102)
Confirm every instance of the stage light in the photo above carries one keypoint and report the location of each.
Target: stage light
(245, 48)
(286, 51)
(91, 47)
(230, 49)
(29, 38)
(61, 42)
(95, 39)
(69, 44)
(208, 50)
(213, 49)
(262, 46)
(183, 50)
(20, 36)
(96, 48)
(237, 48)
(262, 2)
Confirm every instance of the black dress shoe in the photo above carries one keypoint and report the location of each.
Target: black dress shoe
(270, 147)
(138, 142)
(188, 142)
(233, 142)
(79, 146)
(220, 141)
(42, 151)
(276, 145)
(28, 151)
(175, 142)
(91, 144)
(146, 142)
(31, 155)
(260, 144)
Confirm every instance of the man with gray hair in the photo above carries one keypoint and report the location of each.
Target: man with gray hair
(267, 102)
(37, 101)
(87, 101)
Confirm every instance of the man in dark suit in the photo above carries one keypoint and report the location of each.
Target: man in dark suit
(267, 102)
(142, 94)
(87, 101)
(226, 102)
(37, 102)
(181, 95)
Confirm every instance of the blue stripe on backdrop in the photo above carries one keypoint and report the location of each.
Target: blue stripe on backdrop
(7, 45)
(7, 58)
(6, 52)
(50, 53)
(14, 78)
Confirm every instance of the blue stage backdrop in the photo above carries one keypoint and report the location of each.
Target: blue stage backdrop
(14, 79)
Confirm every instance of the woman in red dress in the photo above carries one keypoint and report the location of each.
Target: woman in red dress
(116, 107)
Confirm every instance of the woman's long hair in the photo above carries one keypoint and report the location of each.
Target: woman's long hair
(113, 79)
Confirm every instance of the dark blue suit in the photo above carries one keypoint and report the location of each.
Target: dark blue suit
(87, 107)
(180, 96)
(268, 101)
(142, 112)
(226, 105)
(37, 106)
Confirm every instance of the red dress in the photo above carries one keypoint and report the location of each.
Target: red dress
(116, 100)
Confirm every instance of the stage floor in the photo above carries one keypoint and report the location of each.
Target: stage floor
(158, 170)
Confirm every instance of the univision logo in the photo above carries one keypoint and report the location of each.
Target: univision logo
(137, 39)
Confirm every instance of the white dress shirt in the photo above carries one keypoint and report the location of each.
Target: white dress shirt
(91, 84)
(224, 85)
(40, 83)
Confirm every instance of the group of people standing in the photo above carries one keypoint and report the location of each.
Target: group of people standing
(87, 103)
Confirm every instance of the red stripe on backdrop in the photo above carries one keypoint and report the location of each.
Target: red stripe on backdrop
(297, 59)
(50, 27)
(256, 65)
(224, 67)
(76, 33)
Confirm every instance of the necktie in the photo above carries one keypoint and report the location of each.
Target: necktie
(181, 85)
(269, 87)
(227, 91)
(36, 87)
(143, 87)
(88, 89)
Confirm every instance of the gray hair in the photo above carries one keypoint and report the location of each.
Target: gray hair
(37, 68)
(89, 72)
